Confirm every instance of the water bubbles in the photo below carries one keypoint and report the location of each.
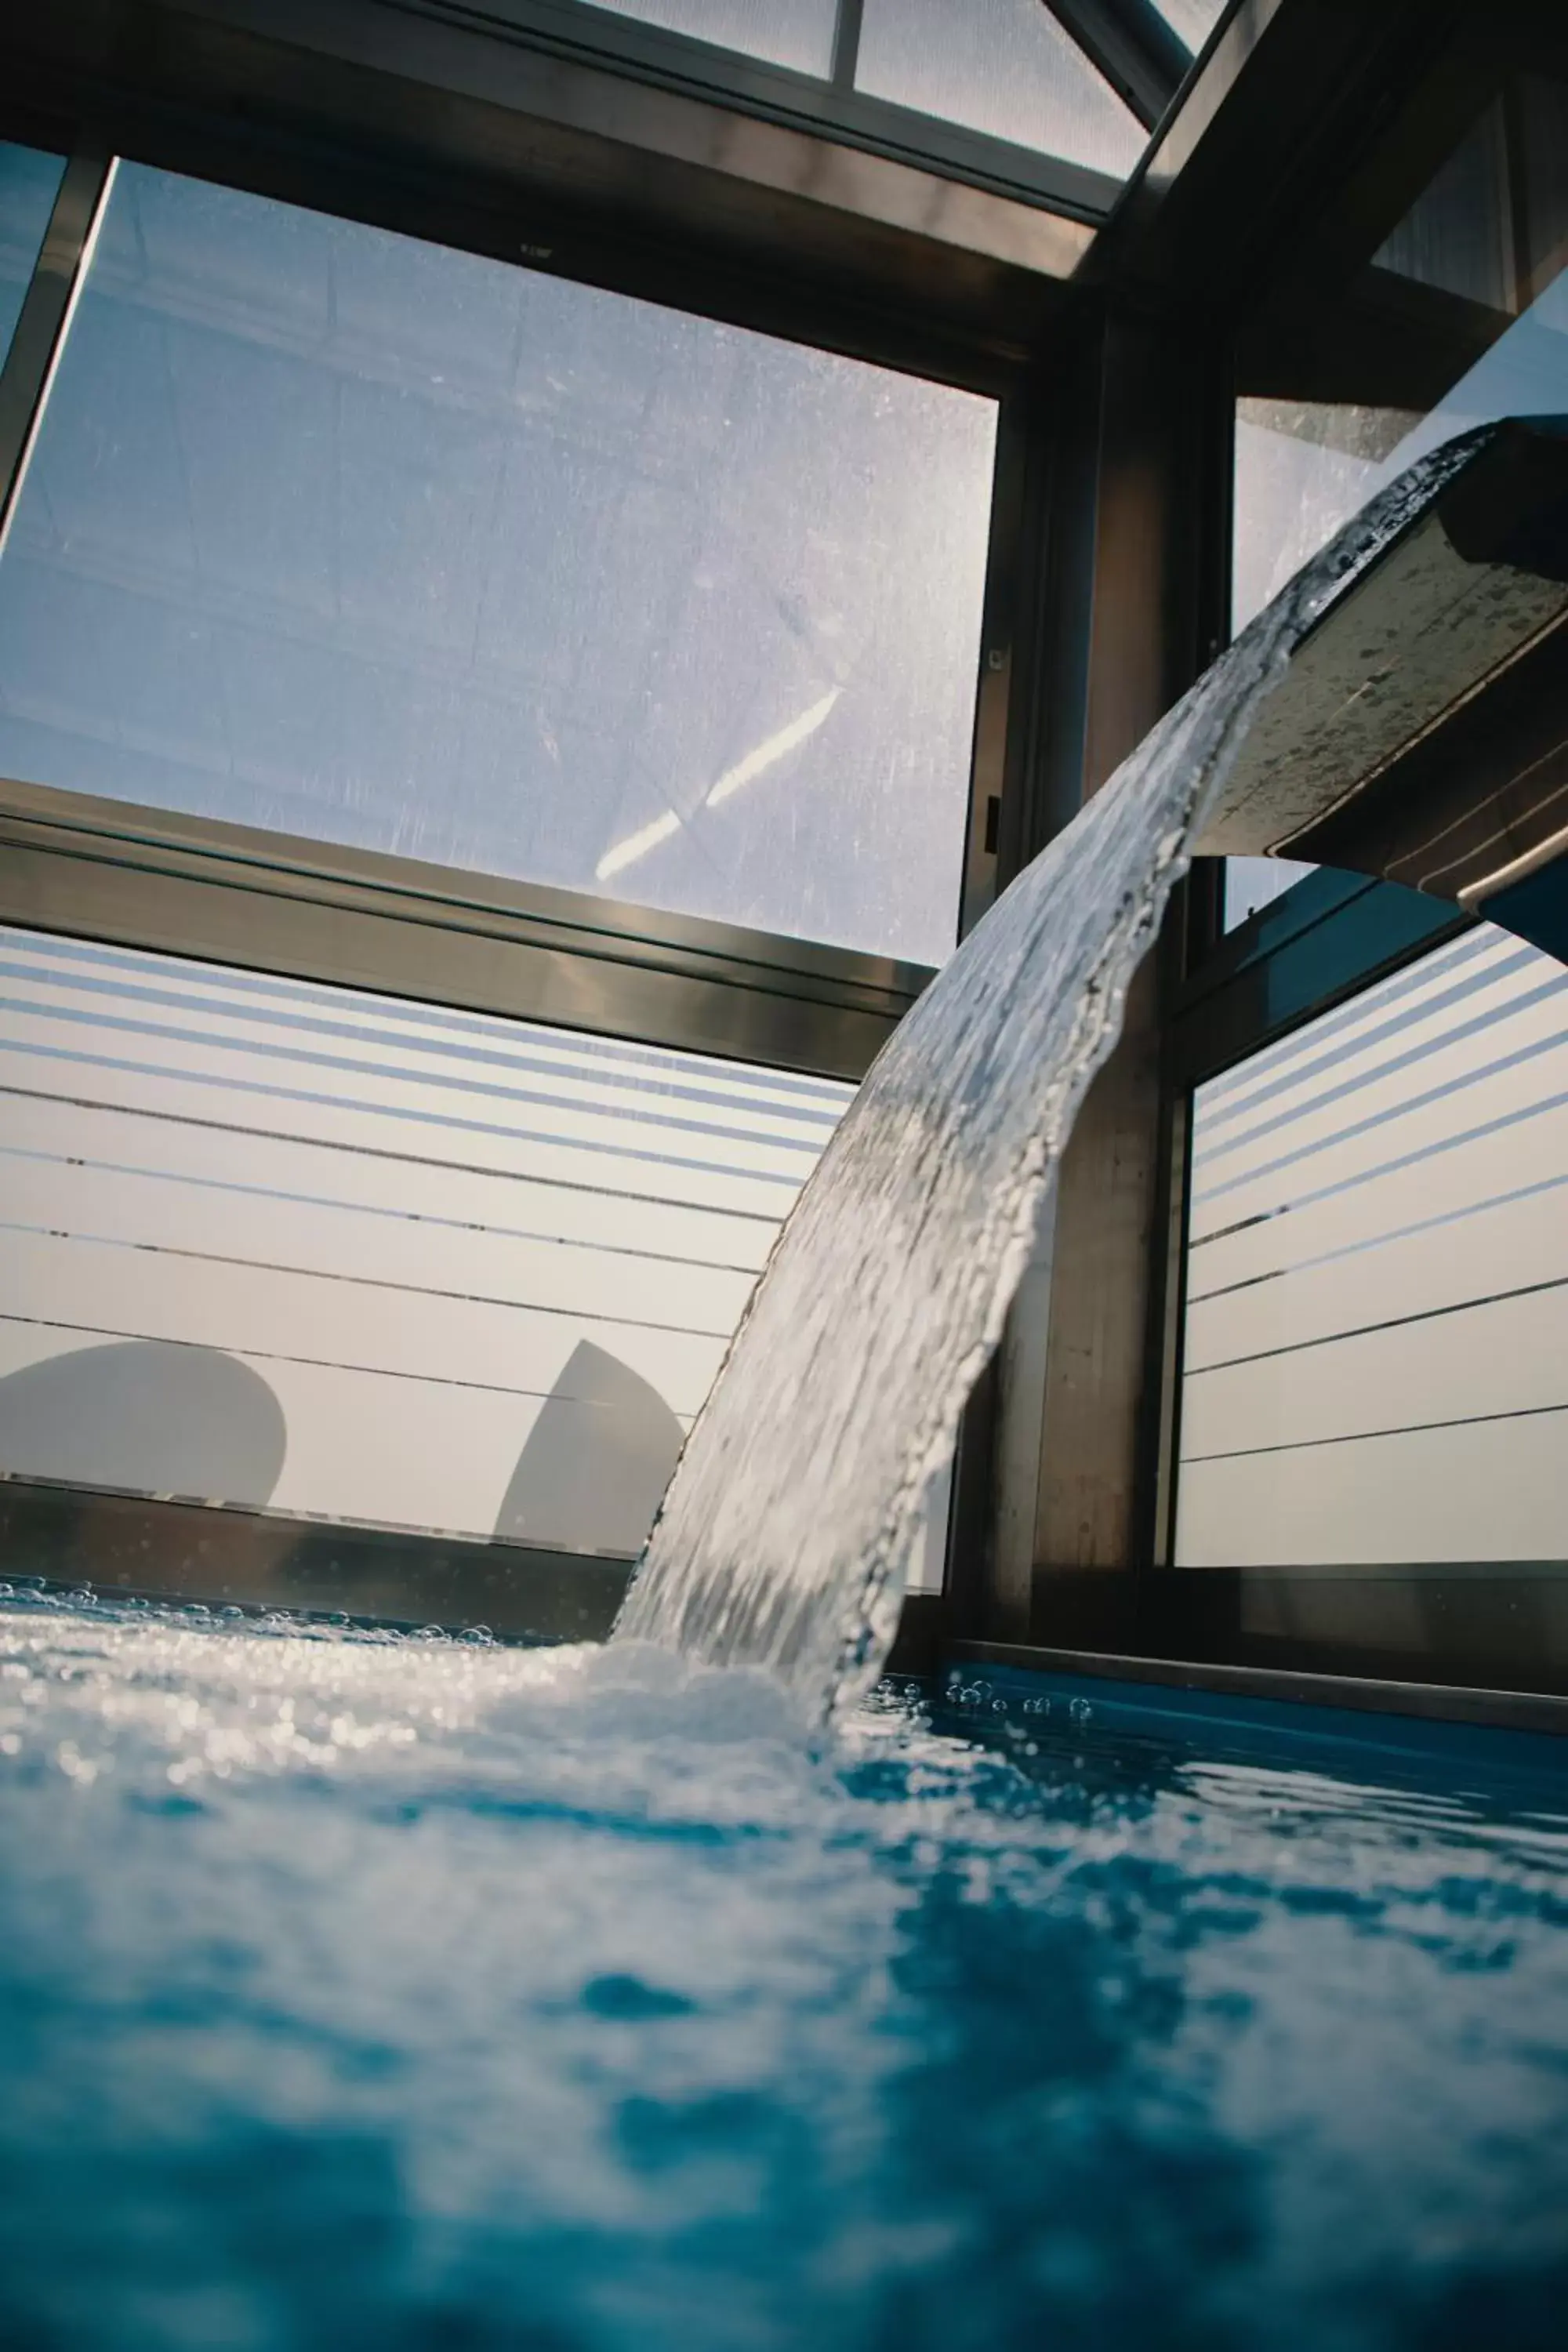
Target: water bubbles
(1081, 1710)
(478, 1636)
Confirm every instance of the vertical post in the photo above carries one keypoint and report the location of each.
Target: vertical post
(1131, 611)
(45, 316)
(847, 43)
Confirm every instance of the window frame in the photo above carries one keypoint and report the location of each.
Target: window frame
(78, 865)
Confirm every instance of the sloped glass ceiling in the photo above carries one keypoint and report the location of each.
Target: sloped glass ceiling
(798, 33)
(1004, 67)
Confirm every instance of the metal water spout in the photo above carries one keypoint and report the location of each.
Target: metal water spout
(1421, 731)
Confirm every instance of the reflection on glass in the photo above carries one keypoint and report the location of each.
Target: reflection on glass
(334, 532)
(796, 33)
(1002, 67)
(29, 183)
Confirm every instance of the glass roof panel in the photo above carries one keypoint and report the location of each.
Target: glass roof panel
(1004, 67)
(1191, 20)
(798, 33)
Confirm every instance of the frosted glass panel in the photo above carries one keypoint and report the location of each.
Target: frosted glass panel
(335, 532)
(299, 1248)
(1003, 66)
(29, 183)
(1376, 1364)
(796, 33)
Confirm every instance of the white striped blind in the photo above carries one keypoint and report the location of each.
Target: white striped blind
(1376, 1351)
(479, 1274)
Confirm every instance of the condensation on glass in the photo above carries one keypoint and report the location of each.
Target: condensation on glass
(1376, 1351)
(798, 33)
(1469, 283)
(338, 533)
(1004, 67)
(29, 183)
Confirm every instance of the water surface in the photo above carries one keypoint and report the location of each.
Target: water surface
(426, 1994)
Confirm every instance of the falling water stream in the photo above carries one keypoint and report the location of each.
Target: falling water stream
(784, 1535)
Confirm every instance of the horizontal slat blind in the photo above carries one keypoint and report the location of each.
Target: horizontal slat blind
(1376, 1356)
(476, 1275)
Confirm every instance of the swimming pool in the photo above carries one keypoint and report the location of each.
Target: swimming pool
(417, 1992)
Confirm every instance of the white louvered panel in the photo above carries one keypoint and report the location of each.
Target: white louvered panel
(1453, 1179)
(244, 1165)
(598, 1088)
(1489, 1490)
(280, 1003)
(1507, 1356)
(481, 1273)
(373, 1449)
(1505, 1247)
(255, 1311)
(277, 1104)
(1376, 1340)
(1406, 1011)
(1314, 1148)
(343, 1246)
(387, 1096)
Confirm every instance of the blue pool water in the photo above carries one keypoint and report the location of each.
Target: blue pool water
(358, 1991)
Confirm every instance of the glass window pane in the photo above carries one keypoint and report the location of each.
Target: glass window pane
(1002, 67)
(798, 33)
(334, 532)
(1377, 1291)
(1253, 882)
(1192, 21)
(29, 183)
(427, 1268)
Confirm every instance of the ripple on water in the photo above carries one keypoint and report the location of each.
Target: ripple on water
(415, 1992)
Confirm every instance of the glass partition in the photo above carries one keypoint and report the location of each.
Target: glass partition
(29, 183)
(298, 1249)
(1376, 1350)
(367, 541)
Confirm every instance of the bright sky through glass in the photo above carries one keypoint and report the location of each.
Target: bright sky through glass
(334, 532)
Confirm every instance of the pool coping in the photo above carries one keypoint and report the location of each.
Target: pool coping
(1534, 1711)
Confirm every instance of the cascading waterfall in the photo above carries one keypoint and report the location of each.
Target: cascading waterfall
(784, 1535)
